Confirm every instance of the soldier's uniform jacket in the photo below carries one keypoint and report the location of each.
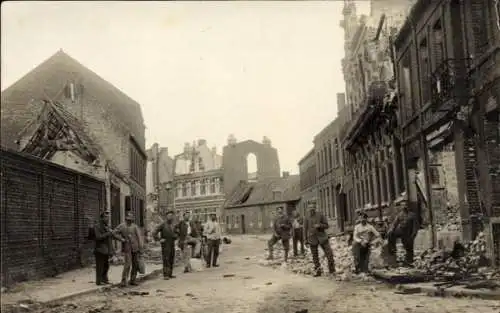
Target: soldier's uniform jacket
(185, 233)
(282, 227)
(406, 224)
(166, 231)
(316, 236)
(132, 235)
(103, 239)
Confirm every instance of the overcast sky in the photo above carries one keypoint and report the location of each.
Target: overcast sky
(199, 69)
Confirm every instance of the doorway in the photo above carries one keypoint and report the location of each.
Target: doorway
(243, 225)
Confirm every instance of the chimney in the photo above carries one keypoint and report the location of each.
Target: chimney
(286, 174)
(201, 142)
(266, 141)
(214, 150)
(231, 140)
(187, 148)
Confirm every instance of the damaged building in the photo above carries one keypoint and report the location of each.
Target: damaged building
(449, 89)
(254, 191)
(63, 112)
(371, 143)
(159, 176)
(251, 206)
(198, 181)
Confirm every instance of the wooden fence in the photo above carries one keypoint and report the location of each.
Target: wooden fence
(45, 213)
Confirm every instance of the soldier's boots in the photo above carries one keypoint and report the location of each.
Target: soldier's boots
(271, 255)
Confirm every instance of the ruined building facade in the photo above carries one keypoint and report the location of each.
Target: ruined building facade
(198, 181)
(95, 118)
(373, 171)
(235, 157)
(447, 57)
(253, 194)
(159, 179)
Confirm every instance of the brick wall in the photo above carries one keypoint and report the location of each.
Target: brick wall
(46, 211)
(103, 129)
(445, 202)
(492, 145)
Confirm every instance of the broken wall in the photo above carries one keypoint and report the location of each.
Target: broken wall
(235, 167)
(445, 196)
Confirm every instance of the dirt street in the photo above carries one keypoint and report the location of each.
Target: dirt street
(242, 285)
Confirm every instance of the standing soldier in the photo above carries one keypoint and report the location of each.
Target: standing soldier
(405, 227)
(132, 248)
(298, 233)
(185, 230)
(103, 236)
(316, 236)
(196, 233)
(165, 232)
(282, 226)
(213, 233)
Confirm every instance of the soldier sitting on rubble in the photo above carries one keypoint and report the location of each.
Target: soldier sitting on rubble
(404, 227)
(364, 235)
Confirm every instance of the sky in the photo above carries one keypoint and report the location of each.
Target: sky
(200, 70)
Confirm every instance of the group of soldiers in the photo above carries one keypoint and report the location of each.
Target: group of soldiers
(311, 231)
(129, 234)
(189, 236)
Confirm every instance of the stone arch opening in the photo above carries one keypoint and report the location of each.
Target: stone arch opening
(251, 167)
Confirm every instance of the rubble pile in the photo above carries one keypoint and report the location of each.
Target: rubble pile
(451, 221)
(342, 252)
(465, 260)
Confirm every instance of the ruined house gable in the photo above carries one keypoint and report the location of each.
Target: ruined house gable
(234, 161)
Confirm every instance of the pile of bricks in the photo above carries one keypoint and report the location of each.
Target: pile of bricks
(464, 261)
(344, 260)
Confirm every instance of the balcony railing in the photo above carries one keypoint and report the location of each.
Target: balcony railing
(449, 81)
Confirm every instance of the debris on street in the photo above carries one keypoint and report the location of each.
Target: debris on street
(465, 261)
(344, 261)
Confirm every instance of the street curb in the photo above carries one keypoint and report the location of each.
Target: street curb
(96, 289)
(434, 291)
